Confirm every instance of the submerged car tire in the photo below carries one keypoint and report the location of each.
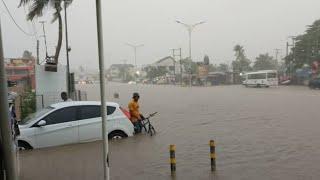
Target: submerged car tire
(22, 145)
(117, 135)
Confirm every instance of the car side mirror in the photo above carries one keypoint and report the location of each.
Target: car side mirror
(41, 123)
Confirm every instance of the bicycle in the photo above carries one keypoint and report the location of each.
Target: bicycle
(147, 126)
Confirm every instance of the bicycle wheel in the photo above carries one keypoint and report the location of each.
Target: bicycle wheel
(152, 131)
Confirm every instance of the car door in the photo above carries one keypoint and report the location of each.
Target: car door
(61, 128)
(90, 122)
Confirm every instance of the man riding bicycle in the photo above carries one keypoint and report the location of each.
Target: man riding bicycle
(136, 117)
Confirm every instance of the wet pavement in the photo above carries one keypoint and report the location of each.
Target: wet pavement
(260, 133)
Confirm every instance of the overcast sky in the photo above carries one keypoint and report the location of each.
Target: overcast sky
(259, 25)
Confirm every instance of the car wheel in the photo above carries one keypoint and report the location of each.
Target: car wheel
(22, 145)
(117, 135)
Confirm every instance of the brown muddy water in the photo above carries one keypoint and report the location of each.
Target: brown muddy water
(260, 133)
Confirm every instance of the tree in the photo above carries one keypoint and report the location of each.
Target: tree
(37, 9)
(187, 63)
(307, 47)
(206, 60)
(223, 67)
(213, 68)
(27, 55)
(241, 63)
(264, 62)
(124, 73)
(153, 72)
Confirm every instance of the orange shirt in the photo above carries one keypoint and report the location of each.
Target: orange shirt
(134, 110)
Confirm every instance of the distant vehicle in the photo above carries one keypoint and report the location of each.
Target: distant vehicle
(132, 82)
(264, 78)
(314, 83)
(85, 82)
(72, 122)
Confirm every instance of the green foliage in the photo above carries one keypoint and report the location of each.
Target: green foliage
(223, 67)
(213, 68)
(265, 62)
(206, 60)
(187, 63)
(27, 54)
(28, 104)
(241, 63)
(36, 8)
(124, 74)
(153, 72)
(307, 47)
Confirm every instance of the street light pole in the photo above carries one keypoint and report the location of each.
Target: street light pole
(102, 92)
(190, 52)
(190, 28)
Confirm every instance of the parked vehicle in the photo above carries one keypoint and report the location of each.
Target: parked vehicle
(72, 122)
(264, 78)
(132, 82)
(314, 83)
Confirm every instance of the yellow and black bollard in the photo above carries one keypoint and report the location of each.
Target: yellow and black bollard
(173, 159)
(212, 155)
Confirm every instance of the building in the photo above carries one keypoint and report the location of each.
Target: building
(172, 66)
(21, 71)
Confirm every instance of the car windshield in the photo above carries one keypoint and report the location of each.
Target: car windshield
(35, 115)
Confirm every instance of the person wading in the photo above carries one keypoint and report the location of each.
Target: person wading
(136, 117)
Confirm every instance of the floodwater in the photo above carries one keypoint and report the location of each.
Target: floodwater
(260, 133)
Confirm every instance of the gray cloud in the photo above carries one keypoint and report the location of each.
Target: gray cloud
(259, 25)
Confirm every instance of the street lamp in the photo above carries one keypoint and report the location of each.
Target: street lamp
(190, 28)
(135, 53)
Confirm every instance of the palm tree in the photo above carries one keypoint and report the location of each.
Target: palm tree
(241, 63)
(36, 10)
(239, 51)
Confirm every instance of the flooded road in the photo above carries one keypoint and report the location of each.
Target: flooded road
(260, 133)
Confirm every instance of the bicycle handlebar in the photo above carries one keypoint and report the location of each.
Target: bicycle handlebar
(151, 115)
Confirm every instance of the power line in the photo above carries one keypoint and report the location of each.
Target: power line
(32, 23)
(18, 26)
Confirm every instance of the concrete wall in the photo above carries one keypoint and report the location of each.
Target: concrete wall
(50, 85)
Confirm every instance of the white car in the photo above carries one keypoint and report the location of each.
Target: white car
(72, 122)
(132, 82)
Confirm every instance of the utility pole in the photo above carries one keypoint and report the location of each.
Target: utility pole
(6, 139)
(174, 55)
(125, 70)
(135, 56)
(277, 52)
(67, 48)
(190, 28)
(105, 161)
(45, 37)
(38, 61)
(293, 53)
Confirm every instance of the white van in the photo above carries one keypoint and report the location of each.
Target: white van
(264, 78)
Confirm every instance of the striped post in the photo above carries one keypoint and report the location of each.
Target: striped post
(212, 155)
(172, 149)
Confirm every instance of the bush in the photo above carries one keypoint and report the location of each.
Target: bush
(28, 104)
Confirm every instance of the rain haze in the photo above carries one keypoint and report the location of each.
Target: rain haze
(258, 25)
(244, 106)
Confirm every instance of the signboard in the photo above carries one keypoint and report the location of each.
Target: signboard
(203, 70)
